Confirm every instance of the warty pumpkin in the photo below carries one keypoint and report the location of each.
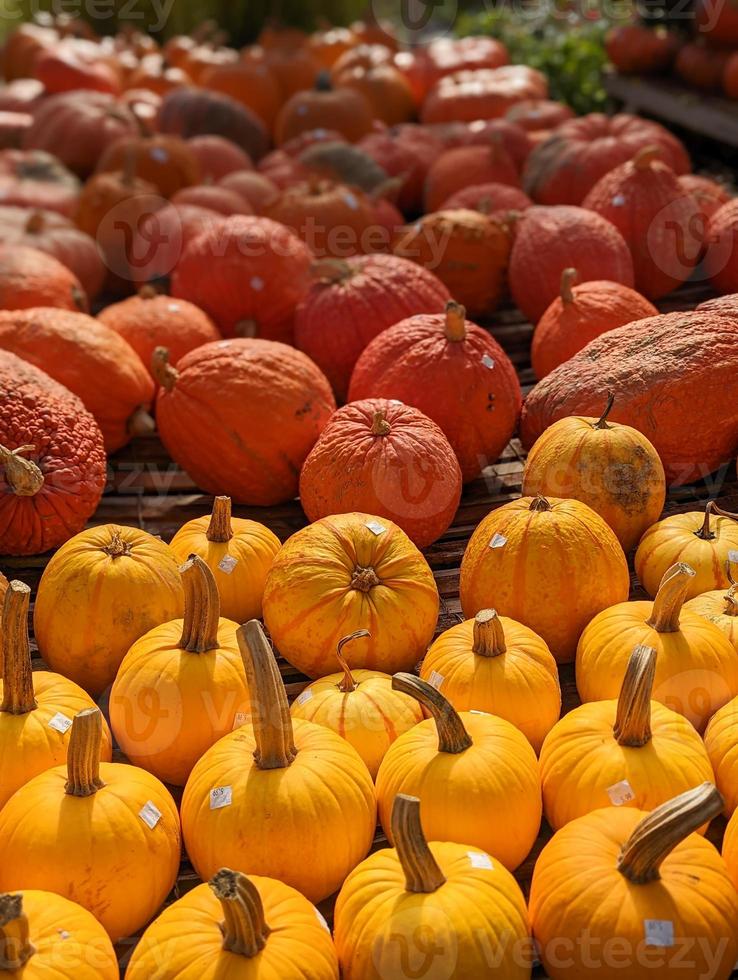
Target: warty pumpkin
(487, 93)
(163, 235)
(289, 798)
(463, 767)
(465, 166)
(345, 573)
(645, 878)
(536, 546)
(496, 200)
(720, 607)
(240, 926)
(218, 157)
(191, 111)
(612, 468)
(406, 153)
(492, 664)
(212, 197)
(34, 179)
(164, 161)
(722, 748)
(341, 109)
(448, 55)
(469, 910)
(30, 277)
(105, 835)
(709, 195)
(696, 670)
(721, 256)
(99, 594)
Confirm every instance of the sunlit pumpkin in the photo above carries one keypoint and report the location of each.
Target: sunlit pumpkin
(730, 849)
(720, 607)
(721, 742)
(164, 161)
(342, 109)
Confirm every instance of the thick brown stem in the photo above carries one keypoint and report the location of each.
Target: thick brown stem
(539, 504)
(380, 425)
(201, 607)
(164, 373)
(23, 476)
(646, 156)
(731, 598)
(602, 422)
(18, 695)
(455, 328)
(348, 683)
(568, 281)
(670, 598)
(117, 547)
(141, 423)
(220, 529)
(422, 873)
(244, 928)
(489, 636)
(452, 736)
(633, 718)
(364, 579)
(83, 754)
(16, 948)
(658, 834)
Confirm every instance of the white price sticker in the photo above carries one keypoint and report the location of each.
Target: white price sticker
(658, 932)
(60, 723)
(435, 679)
(150, 815)
(476, 711)
(321, 919)
(240, 718)
(618, 201)
(620, 793)
(478, 859)
(227, 563)
(489, 362)
(221, 796)
(498, 541)
(63, 934)
(733, 556)
(375, 527)
(305, 696)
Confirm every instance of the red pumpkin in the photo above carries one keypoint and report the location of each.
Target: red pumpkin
(384, 88)
(483, 132)
(721, 257)
(218, 157)
(22, 47)
(220, 200)
(250, 82)
(447, 56)
(29, 277)
(535, 115)
(189, 112)
(399, 158)
(34, 179)
(484, 94)
(162, 237)
(635, 49)
(256, 189)
(468, 165)
(709, 195)
(164, 161)
(702, 66)
(496, 200)
(343, 110)
(66, 68)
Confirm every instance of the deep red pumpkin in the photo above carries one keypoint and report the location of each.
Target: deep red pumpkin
(535, 115)
(485, 94)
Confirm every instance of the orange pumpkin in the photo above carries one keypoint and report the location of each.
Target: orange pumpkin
(214, 198)
(722, 748)
(496, 200)
(329, 44)
(250, 82)
(342, 109)
(295, 69)
(218, 157)
(720, 607)
(30, 277)
(465, 166)
(160, 238)
(164, 161)
(484, 93)
(385, 89)
(730, 849)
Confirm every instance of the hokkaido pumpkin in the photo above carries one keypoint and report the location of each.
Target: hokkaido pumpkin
(496, 200)
(646, 878)
(465, 166)
(406, 153)
(722, 748)
(721, 257)
(164, 161)
(99, 594)
(237, 925)
(213, 198)
(163, 235)
(218, 157)
(448, 55)
(34, 179)
(468, 909)
(104, 835)
(487, 93)
(696, 670)
(557, 548)
(289, 798)
(538, 115)
(341, 109)
(720, 607)
(30, 277)
(368, 575)
(709, 195)
(463, 767)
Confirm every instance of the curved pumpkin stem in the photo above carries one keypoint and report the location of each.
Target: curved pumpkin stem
(452, 736)
(244, 928)
(489, 636)
(568, 281)
(348, 683)
(275, 744)
(141, 423)
(201, 607)
(646, 156)
(380, 425)
(602, 422)
(455, 327)
(539, 504)
(24, 477)
(220, 529)
(633, 718)
(670, 598)
(658, 834)
(422, 873)
(16, 948)
(18, 694)
(705, 532)
(330, 271)
(164, 373)
(83, 754)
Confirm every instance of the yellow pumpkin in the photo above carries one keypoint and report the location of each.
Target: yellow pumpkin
(730, 849)
(630, 752)
(43, 936)
(360, 706)
(182, 686)
(549, 564)
(612, 468)
(101, 592)
(464, 768)
(624, 893)
(493, 664)
(720, 607)
(103, 835)
(696, 667)
(288, 799)
(237, 928)
(238, 552)
(703, 541)
(721, 742)
(345, 573)
(439, 910)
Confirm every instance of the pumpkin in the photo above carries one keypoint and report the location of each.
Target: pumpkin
(164, 161)
(708, 194)
(645, 878)
(536, 115)
(160, 238)
(385, 89)
(226, 385)
(720, 607)
(696, 670)
(462, 767)
(558, 548)
(612, 468)
(250, 82)
(449, 55)
(469, 907)
(342, 109)
(277, 777)
(721, 256)
(497, 200)
(493, 664)
(730, 850)
(295, 69)
(113, 584)
(384, 458)
(212, 53)
(328, 44)
(565, 167)
(22, 46)
(218, 157)
(189, 112)
(31, 277)
(238, 552)
(465, 166)
(646, 364)
(220, 200)
(486, 132)
(721, 744)
(581, 312)
(104, 835)
(635, 49)
(351, 302)
(363, 57)
(237, 924)
(487, 93)
(400, 158)
(719, 23)
(154, 74)
(69, 67)
(34, 179)
(52, 460)
(256, 189)
(702, 66)
(345, 163)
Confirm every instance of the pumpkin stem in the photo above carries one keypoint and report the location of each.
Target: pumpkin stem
(422, 873)
(83, 754)
(633, 718)
(201, 608)
(452, 736)
(275, 745)
(602, 422)
(330, 270)
(141, 423)
(731, 602)
(489, 636)
(484, 205)
(18, 694)
(244, 928)
(248, 329)
(646, 156)
(220, 529)
(36, 223)
(658, 834)
(148, 292)
(540, 504)
(364, 579)
(348, 683)
(568, 281)
(670, 598)
(117, 547)
(323, 82)
(705, 532)
(164, 373)
(23, 476)
(15, 944)
(380, 425)
(455, 327)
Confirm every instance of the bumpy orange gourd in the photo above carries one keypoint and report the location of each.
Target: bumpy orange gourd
(464, 767)
(289, 798)
(696, 670)
(612, 468)
(345, 573)
(493, 664)
(720, 607)
(549, 564)
(100, 592)
(472, 908)
(104, 835)
(641, 877)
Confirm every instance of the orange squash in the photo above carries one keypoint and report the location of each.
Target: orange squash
(30, 277)
(250, 82)
(719, 607)
(465, 166)
(167, 162)
(722, 748)
(344, 110)
(384, 88)
(730, 849)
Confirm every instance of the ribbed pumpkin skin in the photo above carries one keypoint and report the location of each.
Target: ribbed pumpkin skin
(465, 166)
(30, 277)
(722, 747)
(69, 451)
(647, 363)
(312, 600)
(415, 362)
(730, 849)
(713, 606)
(269, 403)
(409, 475)
(721, 257)
(549, 240)
(596, 307)
(567, 554)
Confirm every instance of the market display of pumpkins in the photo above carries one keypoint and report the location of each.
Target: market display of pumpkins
(285, 262)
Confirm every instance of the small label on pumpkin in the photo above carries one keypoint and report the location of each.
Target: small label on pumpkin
(321, 919)
(375, 527)
(476, 711)
(60, 723)
(63, 934)
(227, 563)
(435, 679)
(351, 201)
(498, 541)
(489, 362)
(221, 796)
(478, 859)
(658, 932)
(620, 793)
(149, 814)
(305, 696)
(733, 556)
(240, 718)
(257, 283)
(618, 201)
